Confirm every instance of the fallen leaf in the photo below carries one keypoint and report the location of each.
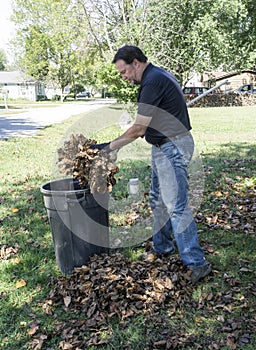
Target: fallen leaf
(67, 301)
(197, 320)
(39, 345)
(32, 330)
(168, 283)
(21, 283)
(65, 346)
(160, 343)
(245, 269)
(16, 260)
(231, 343)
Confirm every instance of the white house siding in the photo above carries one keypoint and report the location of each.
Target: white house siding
(243, 78)
(19, 86)
(51, 92)
(235, 79)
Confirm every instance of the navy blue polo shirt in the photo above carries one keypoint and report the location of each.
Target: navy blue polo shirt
(160, 97)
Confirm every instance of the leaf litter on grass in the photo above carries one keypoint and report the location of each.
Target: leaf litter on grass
(133, 289)
(115, 288)
(112, 287)
(231, 197)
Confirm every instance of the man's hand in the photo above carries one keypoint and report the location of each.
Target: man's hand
(101, 146)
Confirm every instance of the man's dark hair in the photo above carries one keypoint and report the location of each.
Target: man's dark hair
(129, 53)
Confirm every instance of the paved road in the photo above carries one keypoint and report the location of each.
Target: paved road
(29, 122)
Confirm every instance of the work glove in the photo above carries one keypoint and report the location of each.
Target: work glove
(101, 146)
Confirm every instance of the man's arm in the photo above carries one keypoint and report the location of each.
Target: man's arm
(138, 129)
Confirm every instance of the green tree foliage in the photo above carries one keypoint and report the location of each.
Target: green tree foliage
(174, 39)
(110, 79)
(197, 36)
(184, 36)
(112, 24)
(226, 23)
(37, 52)
(70, 42)
(248, 36)
(51, 36)
(3, 60)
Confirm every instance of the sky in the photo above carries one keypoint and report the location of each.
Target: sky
(6, 26)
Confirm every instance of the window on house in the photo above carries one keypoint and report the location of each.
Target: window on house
(40, 89)
(23, 90)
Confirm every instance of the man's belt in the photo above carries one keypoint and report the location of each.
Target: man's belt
(172, 138)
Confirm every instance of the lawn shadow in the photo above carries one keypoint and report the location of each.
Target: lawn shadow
(18, 126)
(231, 150)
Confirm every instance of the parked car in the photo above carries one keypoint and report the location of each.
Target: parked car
(194, 90)
(84, 94)
(244, 89)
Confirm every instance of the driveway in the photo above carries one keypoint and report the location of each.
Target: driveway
(29, 122)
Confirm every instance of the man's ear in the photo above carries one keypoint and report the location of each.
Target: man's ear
(135, 62)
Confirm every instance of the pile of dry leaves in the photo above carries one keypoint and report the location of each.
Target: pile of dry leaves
(90, 167)
(114, 287)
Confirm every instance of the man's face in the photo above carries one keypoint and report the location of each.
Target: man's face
(128, 72)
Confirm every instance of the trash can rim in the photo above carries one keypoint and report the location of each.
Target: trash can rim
(60, 192)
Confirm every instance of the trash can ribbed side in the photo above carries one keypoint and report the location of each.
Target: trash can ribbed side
(78, 220)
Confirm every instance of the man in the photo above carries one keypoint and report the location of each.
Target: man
(162, 118)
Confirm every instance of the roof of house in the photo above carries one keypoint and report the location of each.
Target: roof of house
(15, 77)
(224, 75)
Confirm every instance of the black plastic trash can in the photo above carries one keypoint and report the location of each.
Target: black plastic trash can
(79, 222)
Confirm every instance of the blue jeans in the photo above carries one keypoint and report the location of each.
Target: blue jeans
(169, 201)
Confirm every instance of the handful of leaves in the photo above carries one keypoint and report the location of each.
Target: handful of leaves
(90, 167)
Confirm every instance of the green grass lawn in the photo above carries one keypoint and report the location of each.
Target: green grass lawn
(220, 313)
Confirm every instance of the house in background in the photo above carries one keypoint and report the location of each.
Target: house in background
(235, 79)
(17, 85)
(52, 91)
